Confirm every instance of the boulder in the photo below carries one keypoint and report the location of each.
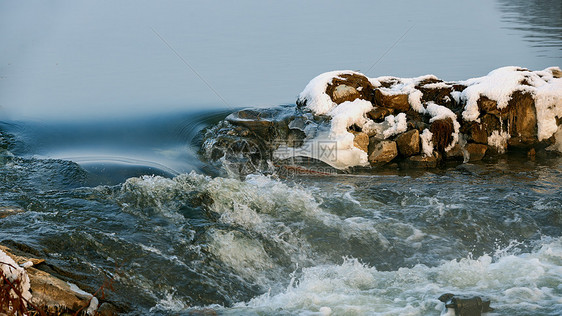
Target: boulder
(442, 131)
(344, 93)
(398, 102)
(382, 152)
(420, 161)
(522, 119)
(456, 153)
(361, 141)
(348, 87)
(476, 151)
(51, 293)
(378, 113)
(408, 143)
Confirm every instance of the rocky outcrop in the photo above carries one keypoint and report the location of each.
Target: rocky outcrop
(52, 295)
(417, 122)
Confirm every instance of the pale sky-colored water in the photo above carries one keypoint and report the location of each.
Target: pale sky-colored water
(69, 60)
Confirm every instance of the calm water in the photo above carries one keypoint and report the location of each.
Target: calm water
(101, 124)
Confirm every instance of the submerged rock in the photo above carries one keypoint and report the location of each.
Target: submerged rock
(345, 119)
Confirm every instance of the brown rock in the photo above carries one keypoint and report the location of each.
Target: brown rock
(379, 113)
(382, 152)
(442, 131)
(420, 161)
(107, 309)
(476, 151)
(348, 87)
(479, 132)
(398, 102)
(344, 93)
(456, 153)
(50, 292)
(361, 141)
(522, 119)
(408, 143)
(6, 211)
(487, 105)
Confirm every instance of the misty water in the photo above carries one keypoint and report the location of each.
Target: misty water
(103, 107)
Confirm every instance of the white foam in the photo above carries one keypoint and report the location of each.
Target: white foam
(524, 284)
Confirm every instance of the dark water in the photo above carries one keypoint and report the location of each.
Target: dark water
(130, 198)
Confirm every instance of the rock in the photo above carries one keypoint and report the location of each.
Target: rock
(51, 293)
(466, 306)
(440, 95)
(456, 153)
(344, 93)
(397, 102)
(379, 113)
(107, 309)
(382, 152)
(476, 151)
(265, 123)
(442, 131)
(361, 141)
(486, 105)
(6, 211)
(420, 161)
(348, 87)
(408, 143)
(522, 119)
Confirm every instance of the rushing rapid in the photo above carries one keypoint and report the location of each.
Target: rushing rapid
(387, 243)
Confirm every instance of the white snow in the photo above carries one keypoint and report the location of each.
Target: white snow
(498, 140)
(333, 144)
(439, 112)
(548, 102)
(14, 272)
(427, 143)
(317, 101)
(93, 307)
(396, 125)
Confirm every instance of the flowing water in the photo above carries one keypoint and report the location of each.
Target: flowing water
(131, 198)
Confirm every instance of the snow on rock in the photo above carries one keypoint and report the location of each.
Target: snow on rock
(14, 272)
(500, 84)
(427, 143)
(337, 107)
(315, 96)
(406, 86)
(439, 112)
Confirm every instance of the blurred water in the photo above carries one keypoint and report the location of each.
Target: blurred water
(62, 60)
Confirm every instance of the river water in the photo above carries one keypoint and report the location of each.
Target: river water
(103, 111)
